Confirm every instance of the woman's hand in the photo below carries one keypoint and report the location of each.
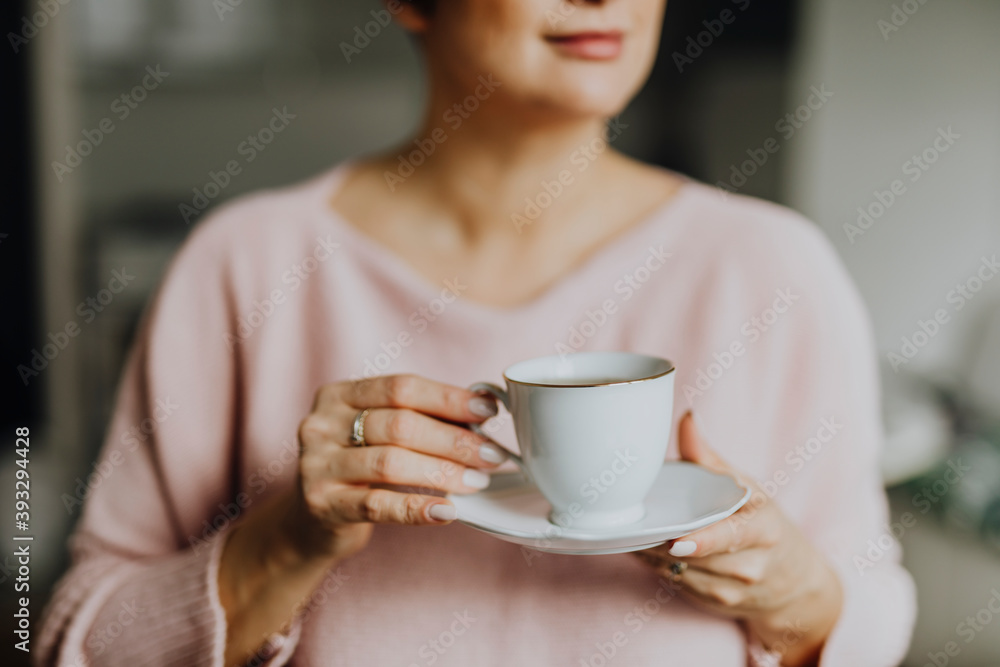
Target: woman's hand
(276, 555)
(756, 565)
(408, 443)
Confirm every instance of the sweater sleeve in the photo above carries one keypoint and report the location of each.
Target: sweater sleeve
(142, 586)
(830, 430)
(879, 607)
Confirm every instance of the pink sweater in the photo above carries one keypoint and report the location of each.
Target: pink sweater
(275, 295)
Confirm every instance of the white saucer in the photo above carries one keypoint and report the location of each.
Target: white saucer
(685, 497)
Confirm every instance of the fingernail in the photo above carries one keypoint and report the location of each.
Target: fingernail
(442, 512)
(491, 453)
(682, 548)
(475, 478)
(482, 406)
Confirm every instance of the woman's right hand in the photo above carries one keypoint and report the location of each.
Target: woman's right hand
(276, 555)
(409, 443)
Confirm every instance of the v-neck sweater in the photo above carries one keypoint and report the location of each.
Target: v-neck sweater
(274, 295)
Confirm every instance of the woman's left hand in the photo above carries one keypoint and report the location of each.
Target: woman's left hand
(756, 566)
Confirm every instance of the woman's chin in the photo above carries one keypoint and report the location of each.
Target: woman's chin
(571, 102)
(594, 96)
(584, 109)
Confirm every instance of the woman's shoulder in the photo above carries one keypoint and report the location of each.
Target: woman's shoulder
(262, 226)
(736, 244)
(265, 213)
(759, 236)
(740, 229)
(764, 224)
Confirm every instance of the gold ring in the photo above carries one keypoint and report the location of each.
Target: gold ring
(357, 438)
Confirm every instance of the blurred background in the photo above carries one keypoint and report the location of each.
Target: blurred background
(886, 118)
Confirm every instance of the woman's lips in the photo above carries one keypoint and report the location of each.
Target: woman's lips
(589, 45)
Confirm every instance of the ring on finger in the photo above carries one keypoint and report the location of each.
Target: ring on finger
(357, 438)
(677, 569)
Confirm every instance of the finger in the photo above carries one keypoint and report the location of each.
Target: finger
(710, 587)
(747, 566)
(360, 504)
(320, 430)
(717, 591)
(736, 533)
(421, 394)
(388, 464)
(419, 432)
(694, 448)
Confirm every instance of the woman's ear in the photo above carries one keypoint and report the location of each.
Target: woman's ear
(408, 16)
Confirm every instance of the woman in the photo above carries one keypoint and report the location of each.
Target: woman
(242, 530)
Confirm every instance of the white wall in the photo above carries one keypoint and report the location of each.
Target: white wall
(940, 69)
(892, 93)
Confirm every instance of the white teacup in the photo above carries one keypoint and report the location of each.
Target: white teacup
(593, 428)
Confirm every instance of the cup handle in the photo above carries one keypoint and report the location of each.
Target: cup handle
(501, 396)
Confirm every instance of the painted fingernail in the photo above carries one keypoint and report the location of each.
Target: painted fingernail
(491, 453)
(475, 478)
(482, 406)
(682, 548)
(441, 512)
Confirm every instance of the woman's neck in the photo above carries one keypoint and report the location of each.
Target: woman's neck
(510, 208)
(482, 167)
